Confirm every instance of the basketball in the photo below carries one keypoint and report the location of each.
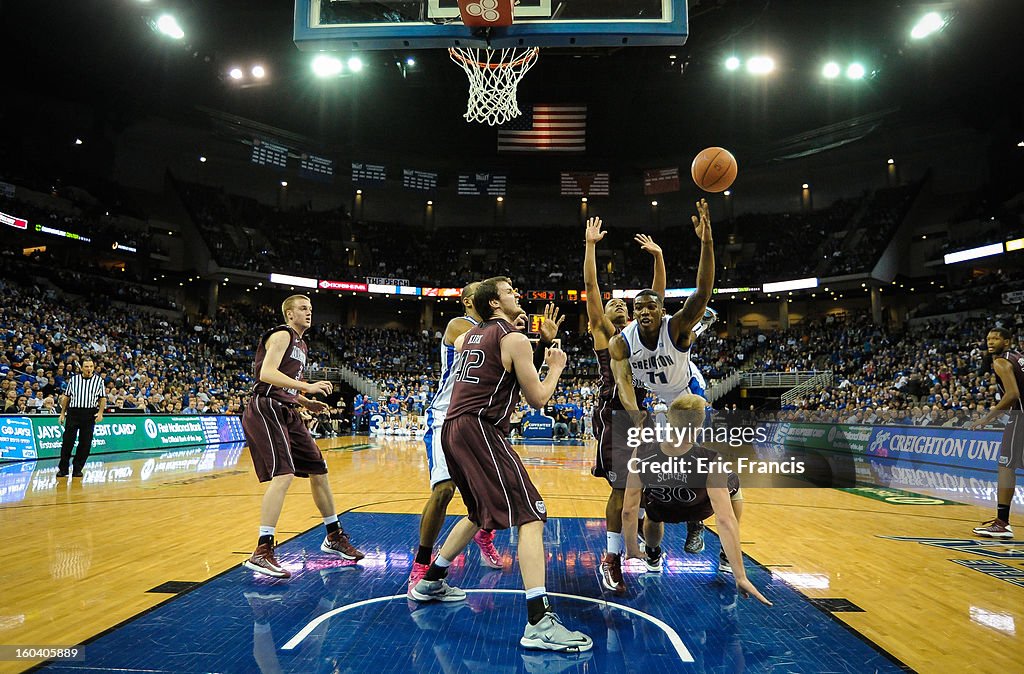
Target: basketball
(714, 169)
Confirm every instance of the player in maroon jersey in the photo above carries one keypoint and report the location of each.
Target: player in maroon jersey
(495, 366)
(1009, 368)
(280, 444)
(606, 322)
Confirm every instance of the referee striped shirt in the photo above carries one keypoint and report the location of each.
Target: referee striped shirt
(85, 393)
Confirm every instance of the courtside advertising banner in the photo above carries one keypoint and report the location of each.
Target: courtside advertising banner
(39, 437)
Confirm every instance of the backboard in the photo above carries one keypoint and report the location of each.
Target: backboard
(342, 25)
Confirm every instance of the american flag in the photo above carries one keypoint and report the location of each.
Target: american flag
(479, 184)
(585, 184)
(546, 128)
(419, 180)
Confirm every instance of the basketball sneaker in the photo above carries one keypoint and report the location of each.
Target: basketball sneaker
(694, 538)
(550, 635)
(611, 573)
(417, 573)
(488, 553)
(263, 561)
(996, 528)
(337, 543)
(723, 563)
(436, 590)
(654, 559)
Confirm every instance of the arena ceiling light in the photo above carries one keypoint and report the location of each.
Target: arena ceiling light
(855, 71)
(259, 72)
(355, 64)
(327, 66)
(168, 25)
(732, 63)
(760, 65)
(930, 23)
(831, 70)
(236, 73)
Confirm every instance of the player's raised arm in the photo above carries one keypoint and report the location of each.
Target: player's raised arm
(659, 282)
(599, 323)
(619, 351)
(682, 322)
(516, 352)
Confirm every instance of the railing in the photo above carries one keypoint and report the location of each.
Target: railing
(822, 379)
(779, 379)
(346, 374)
(723, 386)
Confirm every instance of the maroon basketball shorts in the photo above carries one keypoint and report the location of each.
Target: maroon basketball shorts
(280, 444)
(495, 486)
(1011, 451)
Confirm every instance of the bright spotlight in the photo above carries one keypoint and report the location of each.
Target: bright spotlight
(284, 183)
(355, 64)
(805, 186)
(855, 71)
(202, 159)
(168, 25)
(929, 23)
(259, 72)
(760, 65)
(236, 73)
(831, 70)
(78, 141)
(410, 62)
(326, 66)
(732, 63)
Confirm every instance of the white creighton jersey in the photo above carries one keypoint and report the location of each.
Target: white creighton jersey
(664, 370)
(449, 365)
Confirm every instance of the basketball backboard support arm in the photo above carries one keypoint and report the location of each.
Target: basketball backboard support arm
(430, 24)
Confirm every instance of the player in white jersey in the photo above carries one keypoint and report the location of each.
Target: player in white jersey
(442, 489)
(654, 350)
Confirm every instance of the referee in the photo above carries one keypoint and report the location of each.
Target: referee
(81, 406)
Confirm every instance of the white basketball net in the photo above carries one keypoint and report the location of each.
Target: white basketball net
(494, 77)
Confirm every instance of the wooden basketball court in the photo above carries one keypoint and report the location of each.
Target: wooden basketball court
(86, 557)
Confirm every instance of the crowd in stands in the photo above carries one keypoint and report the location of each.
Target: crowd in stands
(976, 292)
(931, 374)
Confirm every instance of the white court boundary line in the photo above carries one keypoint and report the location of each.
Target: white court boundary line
(673, 636)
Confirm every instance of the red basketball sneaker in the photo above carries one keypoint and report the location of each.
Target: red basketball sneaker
(337, 543)
(263, 561)
(996, 528)
(611, 573)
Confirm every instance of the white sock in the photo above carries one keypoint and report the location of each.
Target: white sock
(331, 519)
(266, 531)
(535, 592)
(616, 545)
(442, 562)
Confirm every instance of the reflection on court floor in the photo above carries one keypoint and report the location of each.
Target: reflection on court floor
(340, 617)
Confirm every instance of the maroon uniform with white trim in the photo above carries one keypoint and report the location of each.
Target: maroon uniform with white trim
(279, 442)
(495, 486)
(1011, 451)
(610, 429)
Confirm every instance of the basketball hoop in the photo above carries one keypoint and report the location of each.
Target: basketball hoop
(494, 77)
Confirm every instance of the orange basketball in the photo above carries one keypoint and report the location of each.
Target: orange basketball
(714, 169)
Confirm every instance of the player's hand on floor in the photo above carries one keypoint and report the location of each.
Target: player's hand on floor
(747, 590)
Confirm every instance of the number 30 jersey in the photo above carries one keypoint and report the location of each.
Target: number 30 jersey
(664, 370)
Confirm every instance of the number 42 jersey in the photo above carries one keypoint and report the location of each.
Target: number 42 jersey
(663, 370)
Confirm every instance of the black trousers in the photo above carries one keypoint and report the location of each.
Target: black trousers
(79, 425)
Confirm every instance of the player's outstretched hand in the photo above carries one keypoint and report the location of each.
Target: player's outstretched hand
(594, 233)
(747, 590)
(552, 322)
(647, 244)
(320, 388)
(316, 406)
(555, 358)
(702, 221)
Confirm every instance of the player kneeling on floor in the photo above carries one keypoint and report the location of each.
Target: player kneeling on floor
(677, 483)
